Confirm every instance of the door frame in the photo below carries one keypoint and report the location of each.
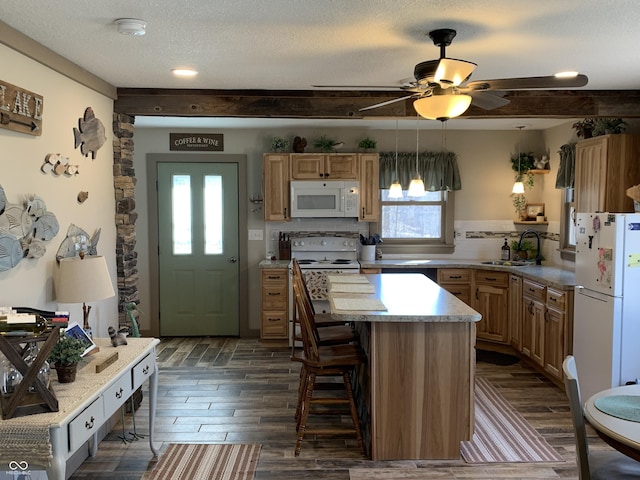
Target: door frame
(153, 159)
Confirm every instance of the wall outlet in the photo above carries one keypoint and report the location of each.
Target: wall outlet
(255, 234)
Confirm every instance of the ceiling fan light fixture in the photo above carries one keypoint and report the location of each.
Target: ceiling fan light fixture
(131, 26)
(184, 72)
(452, 72)
(566, 74)
(442, 106)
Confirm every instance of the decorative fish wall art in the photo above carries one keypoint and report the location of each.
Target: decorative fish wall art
(90, 136)
(24, 230)
(76, 241)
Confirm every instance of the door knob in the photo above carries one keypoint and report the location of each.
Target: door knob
(233, 259)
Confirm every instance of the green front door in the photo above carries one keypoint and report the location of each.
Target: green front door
(198, 243)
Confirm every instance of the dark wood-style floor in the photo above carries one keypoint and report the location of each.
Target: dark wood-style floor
(217, 390)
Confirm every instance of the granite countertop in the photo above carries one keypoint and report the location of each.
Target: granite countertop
(550, 275)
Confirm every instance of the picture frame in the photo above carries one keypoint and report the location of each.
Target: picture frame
(76, 331)
(533, 209)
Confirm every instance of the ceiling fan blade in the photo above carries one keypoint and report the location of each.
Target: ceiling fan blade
(524, 83)
(488, 100)
(361, 87)
(388, 102)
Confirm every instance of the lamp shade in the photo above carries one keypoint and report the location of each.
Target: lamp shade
(518, 187)
(442, 106)
(395, 190)
(83, 280)
(416, 187)
(452, 72)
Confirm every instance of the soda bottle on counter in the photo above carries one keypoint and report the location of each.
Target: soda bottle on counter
(506, 251)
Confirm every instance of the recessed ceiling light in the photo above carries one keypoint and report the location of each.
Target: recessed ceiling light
(184, 72)
(131, 26)
(567, 74)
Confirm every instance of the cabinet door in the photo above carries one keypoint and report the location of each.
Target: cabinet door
(492, 303)
(307, 166)
(591, 175)
(554, 342)
(342, 166)
(515, 312)
(537, 313)
(369, 198)
(275, 187)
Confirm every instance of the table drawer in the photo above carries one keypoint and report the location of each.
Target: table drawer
(454, 275)
(143, 370)
(117, 394)
(534, 290)
(486, 277)
(86, 424)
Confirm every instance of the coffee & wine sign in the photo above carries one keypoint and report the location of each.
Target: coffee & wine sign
(20, 109)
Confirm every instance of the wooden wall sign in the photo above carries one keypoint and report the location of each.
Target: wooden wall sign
(20, 109)
(201, 142)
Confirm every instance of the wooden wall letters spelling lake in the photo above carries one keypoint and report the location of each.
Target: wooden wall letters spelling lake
(20, 109)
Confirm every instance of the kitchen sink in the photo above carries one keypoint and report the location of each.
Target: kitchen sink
(506, 263)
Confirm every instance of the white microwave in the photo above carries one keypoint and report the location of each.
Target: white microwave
(324, 198)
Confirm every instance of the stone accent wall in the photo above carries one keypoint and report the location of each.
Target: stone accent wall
(124, 181)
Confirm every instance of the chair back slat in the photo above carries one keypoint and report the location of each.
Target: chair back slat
(309, 337)
(572, 388)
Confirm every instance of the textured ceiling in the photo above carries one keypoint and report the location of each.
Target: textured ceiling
(294, 44)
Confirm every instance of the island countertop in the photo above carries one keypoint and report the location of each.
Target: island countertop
(408, 297)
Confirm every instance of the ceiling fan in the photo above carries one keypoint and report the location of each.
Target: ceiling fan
(442, 90)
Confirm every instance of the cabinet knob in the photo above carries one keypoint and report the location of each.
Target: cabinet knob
(89, 423)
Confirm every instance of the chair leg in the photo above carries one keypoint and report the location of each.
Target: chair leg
(304, 413)
(354, 411)
(302, 385)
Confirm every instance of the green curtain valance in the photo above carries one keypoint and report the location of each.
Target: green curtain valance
(567, 169)
(439, 170)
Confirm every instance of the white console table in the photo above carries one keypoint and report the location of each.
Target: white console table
(50, 439)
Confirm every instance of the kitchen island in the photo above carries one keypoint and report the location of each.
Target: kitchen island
(416, 393)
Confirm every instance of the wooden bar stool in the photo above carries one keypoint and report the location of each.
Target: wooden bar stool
(325, 361)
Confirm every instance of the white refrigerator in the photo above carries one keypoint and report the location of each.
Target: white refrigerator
(606, 321)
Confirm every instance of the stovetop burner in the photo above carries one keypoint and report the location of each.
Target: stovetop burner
(306, 262)
(342, 261)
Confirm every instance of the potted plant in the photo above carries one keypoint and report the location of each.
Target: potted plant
(367, 144)
(520, 202)
(65, 355)
(584, 128)
(604, 126)
(324, 143)
(525, 252)
(279, 144)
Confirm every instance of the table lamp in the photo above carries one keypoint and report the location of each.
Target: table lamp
(84, 279)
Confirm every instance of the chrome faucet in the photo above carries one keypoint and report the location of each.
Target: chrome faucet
(538, 253)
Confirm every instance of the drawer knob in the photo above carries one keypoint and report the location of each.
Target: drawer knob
(455, 276)
(145, 370)
(119, 393)
(89, 423)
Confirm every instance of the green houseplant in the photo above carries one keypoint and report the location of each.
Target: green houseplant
(367, 144)
(604, 126)
(584, 128)
(65, 355)
(279, 144)
(324, 143)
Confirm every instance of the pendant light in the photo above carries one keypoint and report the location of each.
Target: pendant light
(518, 186)
(395, 190)
(416, 187)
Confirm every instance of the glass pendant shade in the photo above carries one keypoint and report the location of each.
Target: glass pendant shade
(442, 107)
(395, 190)
(452, 72)
(416, 187)
(518, 187)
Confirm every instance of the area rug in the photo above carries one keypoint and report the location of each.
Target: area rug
(206, 461)
(502, 434)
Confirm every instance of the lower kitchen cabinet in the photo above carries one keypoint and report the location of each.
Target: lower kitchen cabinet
(491, 299)
(274, 321)
(515, 311)
(533, 318)
(456, 281)
(558, 334)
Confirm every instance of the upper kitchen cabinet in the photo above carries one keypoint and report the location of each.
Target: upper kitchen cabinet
(275, 186)
(605, 167)
(333, 166)
(369, 199)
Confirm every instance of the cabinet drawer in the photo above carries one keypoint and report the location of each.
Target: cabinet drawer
(274, 324)
(463, 292)
(86, 424)
(117, 394)
(533, 290)
(556, 299)
(143, 370)
(454, 275)
(279, 277)
(486, 277)
(274, 298)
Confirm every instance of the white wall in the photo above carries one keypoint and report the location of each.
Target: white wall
(30, 283)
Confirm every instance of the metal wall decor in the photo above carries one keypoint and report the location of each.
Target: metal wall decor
(76, 241)
(90, 135)
(24, 230)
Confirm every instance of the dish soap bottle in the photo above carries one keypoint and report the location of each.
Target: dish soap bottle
(506, 251)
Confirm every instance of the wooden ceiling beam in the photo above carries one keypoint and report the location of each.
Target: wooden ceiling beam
(346, 104)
